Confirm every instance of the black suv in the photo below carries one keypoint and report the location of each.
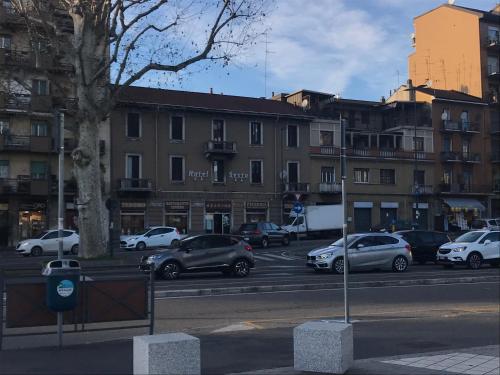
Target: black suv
(263, 233)
(424, 243)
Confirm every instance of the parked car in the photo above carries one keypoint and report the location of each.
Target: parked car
(263, 234)
(424, 243)
(365, 251)
(491, 224)
(472, 249)
(48, 242)
(151, 237)
(204, 253)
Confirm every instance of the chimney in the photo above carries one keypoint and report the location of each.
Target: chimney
(211, 90)
(411, 91)
(272, 94)
(382, 99)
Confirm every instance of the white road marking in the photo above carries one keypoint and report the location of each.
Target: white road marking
(235, 327)
(280, 257)
(462, 363)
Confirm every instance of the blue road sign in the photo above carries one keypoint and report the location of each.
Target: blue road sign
(298, 207)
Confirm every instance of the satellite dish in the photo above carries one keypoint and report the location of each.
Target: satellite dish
(305, 103)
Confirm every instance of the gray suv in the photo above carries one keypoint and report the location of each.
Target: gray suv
(263, 234)
(205, 253)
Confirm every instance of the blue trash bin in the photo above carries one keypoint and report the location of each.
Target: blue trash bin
(63, 280)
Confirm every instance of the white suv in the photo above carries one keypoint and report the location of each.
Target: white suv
(151, 237)
(48, 242)
(473, 249)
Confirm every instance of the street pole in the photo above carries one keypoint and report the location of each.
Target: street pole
(60, 219)
(343, 172)
(415, 182)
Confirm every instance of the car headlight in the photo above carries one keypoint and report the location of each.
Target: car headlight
(152, 258)
(132, 239)
(23, 244)
(459, 249)
(325, 256)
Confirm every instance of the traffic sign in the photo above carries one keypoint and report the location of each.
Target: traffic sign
(298, 207)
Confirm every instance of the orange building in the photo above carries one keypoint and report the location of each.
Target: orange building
(457, 49)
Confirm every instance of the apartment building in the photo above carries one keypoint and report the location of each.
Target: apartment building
(458, 49)
(206, 162)
(388, 181)
(35, 82)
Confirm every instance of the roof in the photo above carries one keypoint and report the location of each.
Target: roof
(451, 95)
(482, 14)
(208, 102)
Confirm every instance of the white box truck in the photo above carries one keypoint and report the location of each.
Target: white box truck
(316, 221)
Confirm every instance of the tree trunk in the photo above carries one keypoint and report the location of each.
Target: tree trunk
(92, 215)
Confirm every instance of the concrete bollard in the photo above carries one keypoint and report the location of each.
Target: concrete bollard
(168, 354)
(323, 346)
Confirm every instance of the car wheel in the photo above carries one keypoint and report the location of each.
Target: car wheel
(338, 265)
(241, 268)
(175, 243)
(474, 261)
(399, 264)
(36, 251)
(286, 241)
(170, 271)
(140, 246)
(265, 242)
(74, 250)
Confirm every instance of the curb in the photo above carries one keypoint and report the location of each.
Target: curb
(306, 287)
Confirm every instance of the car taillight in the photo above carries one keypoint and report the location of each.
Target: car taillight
(408, 248)
(257, 232)
(248, 248)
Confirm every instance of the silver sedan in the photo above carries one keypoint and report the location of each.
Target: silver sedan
(365, 251)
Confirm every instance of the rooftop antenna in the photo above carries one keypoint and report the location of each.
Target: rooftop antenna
(267, 52)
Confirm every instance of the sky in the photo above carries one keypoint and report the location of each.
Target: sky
(354, 48)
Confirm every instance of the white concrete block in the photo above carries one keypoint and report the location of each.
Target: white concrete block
(323, 346)
(168, 354)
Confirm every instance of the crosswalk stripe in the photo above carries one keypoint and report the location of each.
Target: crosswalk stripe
(281, 257)
(262, 257)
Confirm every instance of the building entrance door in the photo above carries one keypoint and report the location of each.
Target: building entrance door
(222, 223)
(362, 219)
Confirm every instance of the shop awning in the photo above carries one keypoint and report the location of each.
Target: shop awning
(464, 203)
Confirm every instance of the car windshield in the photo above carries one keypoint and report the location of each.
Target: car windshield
(140, 233)
(41, 234)
(290, 220)
(350, 239)
(469, 237)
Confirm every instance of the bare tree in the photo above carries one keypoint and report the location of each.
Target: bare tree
(114, 43)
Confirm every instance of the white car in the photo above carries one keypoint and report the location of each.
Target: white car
(151, 237)
(472, 249)
(48, 242)
(490, 224)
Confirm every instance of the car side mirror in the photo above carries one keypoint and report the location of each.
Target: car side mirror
(487, 242)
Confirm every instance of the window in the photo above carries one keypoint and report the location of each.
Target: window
(418, 143)
(326, 138)
(51, 235)
(293, 172)
(133, 125)
(365, 117)
(386, 240)
(177, 128)
(447, 176)
(492, 64)
(5, 42)
(493, 34)
(218, 131)
(40, 87)
(292, 136)
(4, 169)
(39, 129)
(419, 178)
(256, 135)
(387, 177)
(327, 175)
(4, 126)
(67, 233)
(177, 168)
(447, 145)
(218, 171)
(361, 175)
(133, 166)
(38, 170)
(256, 171)
(493, 237)
(466, 147)
(445, 115)
(220, 241)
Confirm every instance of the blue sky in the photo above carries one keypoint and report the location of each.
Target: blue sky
(355, 48)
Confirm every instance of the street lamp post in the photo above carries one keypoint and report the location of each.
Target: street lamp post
(343, 172)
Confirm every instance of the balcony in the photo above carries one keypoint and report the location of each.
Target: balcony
(450, 156)
(470, 157)
(422, 189)
(460, 126)
(41, 103)
(493, 73)
(25, 143)
(24, 185)
(464, 189)
(219, 148)
(296, 187)
(135, 184)
(493, 42)
(324, 151)
(330, 188)
(17, 58)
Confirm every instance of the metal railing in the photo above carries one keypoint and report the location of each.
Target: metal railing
(450, 156)
(330, 187)
(323, 150)
(135, 184)
(296, 187)
(223, 147)
(471, 157)
(464, 188)
(422, 189)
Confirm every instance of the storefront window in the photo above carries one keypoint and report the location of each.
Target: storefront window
(132, 222)
(31, 223)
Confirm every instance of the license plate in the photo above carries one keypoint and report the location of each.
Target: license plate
(247, 238)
